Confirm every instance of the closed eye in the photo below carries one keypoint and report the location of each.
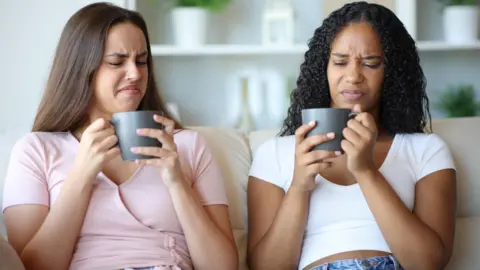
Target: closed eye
(373, 65)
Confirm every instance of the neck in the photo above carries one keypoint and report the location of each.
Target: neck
(92, 116)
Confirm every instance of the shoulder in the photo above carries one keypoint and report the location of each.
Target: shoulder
(41, 143)
(45, 139)
(273, 161)
(187, 137)
(429, 152)
(423, 143)
(275, 146)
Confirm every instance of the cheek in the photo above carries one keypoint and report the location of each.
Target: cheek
(375, 81)
(106, 81)
(333, 77)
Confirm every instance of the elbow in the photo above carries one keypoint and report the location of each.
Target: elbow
(259, 262)
(430, 259)
(233, 261)
(28, 258)
(32, 260)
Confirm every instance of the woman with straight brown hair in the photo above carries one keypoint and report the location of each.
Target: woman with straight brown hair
(70, 200)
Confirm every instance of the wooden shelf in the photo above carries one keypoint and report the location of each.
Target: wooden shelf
(232, 50)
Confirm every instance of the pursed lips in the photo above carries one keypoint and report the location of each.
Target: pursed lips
(352, 94)
(130, 90)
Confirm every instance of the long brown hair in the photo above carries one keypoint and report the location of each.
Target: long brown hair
(68, 93)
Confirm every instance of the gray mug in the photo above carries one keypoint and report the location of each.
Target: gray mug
(126, 125)
(328, 120)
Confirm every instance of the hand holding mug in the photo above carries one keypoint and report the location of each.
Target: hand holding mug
(166, 157)
(308, 162)
(360, 137)
(97, 147)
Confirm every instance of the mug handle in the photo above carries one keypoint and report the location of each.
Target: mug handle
(352, 115)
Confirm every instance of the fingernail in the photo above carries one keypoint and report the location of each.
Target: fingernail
(338, 153)
(311, 123)
(133, 149)
(139, 131)
(331, 135)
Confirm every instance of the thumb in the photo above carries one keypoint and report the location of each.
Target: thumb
(357, 108)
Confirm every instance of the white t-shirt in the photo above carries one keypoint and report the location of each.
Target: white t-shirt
(339, 218)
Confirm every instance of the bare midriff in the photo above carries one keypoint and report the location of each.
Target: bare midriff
(356, 254)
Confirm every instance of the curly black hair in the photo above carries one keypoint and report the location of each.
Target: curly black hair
(404, 105)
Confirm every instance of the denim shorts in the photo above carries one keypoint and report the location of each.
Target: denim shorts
(372, 263)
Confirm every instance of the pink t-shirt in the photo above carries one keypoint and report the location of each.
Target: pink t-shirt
(130, 225)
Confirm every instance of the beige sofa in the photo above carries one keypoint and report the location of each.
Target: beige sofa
(234, 152)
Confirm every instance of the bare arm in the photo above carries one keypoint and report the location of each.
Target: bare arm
(276, 225)
(207, 229)
(277, 220)
(422, 239)
(45, 239)
(8, 257)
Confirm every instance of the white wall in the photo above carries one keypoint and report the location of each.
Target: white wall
(29, 31)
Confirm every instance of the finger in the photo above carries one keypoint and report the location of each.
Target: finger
(352, 136)
(359, 128)
(317, 168)
(168, 123)
(357, 108)
(347, 146)
(97, 125)
(108, 143)
(102, 134)
(152, 151)
(367, 120)
(317, 156)
(151, 162)
(160, 135)
(302, 131)
(314, 140)
(115, 151)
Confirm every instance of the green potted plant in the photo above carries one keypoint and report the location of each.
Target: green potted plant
(460, 20)
(459, 101)
(190, 19)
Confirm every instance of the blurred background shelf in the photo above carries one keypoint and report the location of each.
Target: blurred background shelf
(204, 81)
(298, 49)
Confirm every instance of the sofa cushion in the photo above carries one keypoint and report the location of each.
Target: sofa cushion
(461, 136)
(467, 244)
(231, 151)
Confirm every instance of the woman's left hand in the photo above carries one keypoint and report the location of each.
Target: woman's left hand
(360, 137)
(165, 157)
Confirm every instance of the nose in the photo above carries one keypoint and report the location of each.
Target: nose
(133, 72)
(354, 74)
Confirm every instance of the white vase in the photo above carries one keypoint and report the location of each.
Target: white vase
(406, 11)
(189, 26)
(460, 24)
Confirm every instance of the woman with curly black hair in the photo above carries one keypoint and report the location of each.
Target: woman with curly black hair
(387, 201)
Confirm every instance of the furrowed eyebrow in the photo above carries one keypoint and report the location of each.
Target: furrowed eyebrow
(125, 55)
(370, 57)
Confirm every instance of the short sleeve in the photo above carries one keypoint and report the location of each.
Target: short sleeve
(208, 179)
(265, 163)
(25, 181)
(436, 156)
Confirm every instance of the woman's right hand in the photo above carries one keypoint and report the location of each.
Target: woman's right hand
(97, 146)
(310, 163)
